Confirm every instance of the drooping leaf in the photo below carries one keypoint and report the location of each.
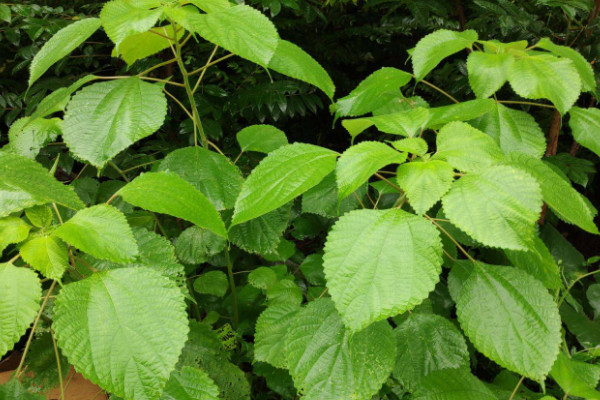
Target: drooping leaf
(511, 318)
(407, 123)
(261, 235)
(270, 332)
(212, 282)
(62, 43)
(141, 45)
(327, 361)
(102, 231)
(21, 291)
(425, 182)
(167, 193)
(498, 207)
(196, 245)
(261, 138)
(584, 68)
(585, 125)
(576, 378)
(123, 18)
(436, 46)
(57, 100)
(190, 384)
(280, 177)
(452, 384)
(414, 145)
(538, 262)
(46, 254)
(379, 263)
(12, 230)
(115, 337)
(107, 117)
(488, 72)
(463, 111)
(323, 199)
(359, 162)
(210, 172)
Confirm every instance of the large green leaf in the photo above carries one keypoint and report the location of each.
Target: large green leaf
(585, 125)
(463, 111)
(379, 263)
(291, 60)
(107, 117)
(498, 207)
(427, 343)
(327, 361)
(168, 193)
(466, 148)
(513, 130)
(12, 230)
(102, 231)
(141, 45)
(576, 378)
(488, 72)
(210, 172)
(511, 318)
(190, 384)
(546, 77)
(61, 44)
(280, 177)
(122, 18)
(21, 291)
(271, 329)
(425, 182)
(47, 254)
(359, 162)
(123, 330)
(538, 262)
(584, 68)
(25, 183)
(436, 46)
(407, 123)
(261, 138)
(452, 384)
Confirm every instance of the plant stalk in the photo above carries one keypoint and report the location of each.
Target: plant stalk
(232, 287)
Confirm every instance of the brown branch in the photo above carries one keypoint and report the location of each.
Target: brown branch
(555, 124)
(462, 19)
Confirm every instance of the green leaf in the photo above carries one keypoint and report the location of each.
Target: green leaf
(62, 43)
(359, 162)
(212, 282)
(372, 93)
(537, 262)
(286, 291)
(280, 177)
(585, 125)
(115, 337)
(498, 207)
(28, 137)
(25, 183)
(452, 384)
(262, 278)
(57, 100)
(425, 182)
(41, 364)
(495, 296)
(464, 111)
(13, 389)
(107, 117)
(436, 46)
(21, 291)
(565, 202)
(122, 18)
(546, 77)
(209, 172)
(488, 72)
(261, 138)
(210, 6)
(466, 148)
(12, 230)
(584, 68)
(312, 269)
(327, 361)
(46, 254)
(379, 263)
(5, 13)
(414, 145)
(101, 231)
(271, 329)
(167, 193)
(291, 60)
(261, 235)
(323, 199)
(427, 343)
(196, 245)
(190, 384)
(513, 130)
(407, 123)
(40, 216)
(576, 378)
(141, 45)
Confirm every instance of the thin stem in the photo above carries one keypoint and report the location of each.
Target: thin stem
(147, 78)
(218, 60)
(140, 166)
(114, 196)
(189, 114)
(58, 366)
(431, 85)
(383, 178)
(15, 258)
(57, 213)
(525, 103)
(564, 296)
(204, 70)
(516, 389)
(119, 171)
(445, 232)
(214, 146)
(238, 157)
(162, 64)
(232, 287)
(359, 200)
(19, 370)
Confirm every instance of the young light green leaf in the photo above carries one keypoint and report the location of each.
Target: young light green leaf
(546, 77)
(327, 361)
(25, 183)
(105, 118)
(62, 43)
(379, 263)
(27, 137)
(190, 384)
(12, 230)
(427, 343)
(212, 282)
(196, 245)
(261, 138)
(359, 162)
(271, 329)
(584, 68)
(512, 130)
(209, 172)
(585, 125)
(488, 72)
(414, 145)
(291, 60)
(141, 45)
(115, 337)
(436, 46)
(21, 291)
(495, 296)
(123, 18)
(407, 123)
(46, 254)
(464, 111)
(505, 195)
(102, 231)
(576, 378)
(280, 177)
(537, 262)
(425, 182)
(261, 235)
(452, 384)
(466, 148)
(168, 193)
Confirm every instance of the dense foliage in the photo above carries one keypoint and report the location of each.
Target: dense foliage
(190, 208)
